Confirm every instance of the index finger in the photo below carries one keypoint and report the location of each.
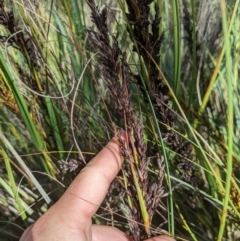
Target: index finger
(87, 191)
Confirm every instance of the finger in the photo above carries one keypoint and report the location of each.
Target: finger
(87, 191)
(161, 238)
(103, 233)
(25, 235)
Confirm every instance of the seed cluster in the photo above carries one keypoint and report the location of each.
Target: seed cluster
(142, 195)
(20, 39)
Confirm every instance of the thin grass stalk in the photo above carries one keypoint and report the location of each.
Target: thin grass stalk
(46, 58)
(142, 204)
(185, 224)
(237, 58)
(210, 86)
(177, 46)
(230, 118)
(194, 56)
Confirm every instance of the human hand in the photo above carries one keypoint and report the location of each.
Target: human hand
(69, 219)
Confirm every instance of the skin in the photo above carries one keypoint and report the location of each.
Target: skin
(70, 217)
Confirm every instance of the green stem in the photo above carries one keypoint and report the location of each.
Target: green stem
(177, 47)
(230, 119)
(140, 194)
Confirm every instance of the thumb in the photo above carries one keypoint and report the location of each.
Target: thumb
(161, 238)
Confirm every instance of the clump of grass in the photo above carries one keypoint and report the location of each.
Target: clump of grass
(157, 71)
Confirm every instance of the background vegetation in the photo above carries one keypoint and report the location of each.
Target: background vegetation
(167, 72)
